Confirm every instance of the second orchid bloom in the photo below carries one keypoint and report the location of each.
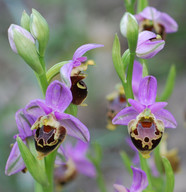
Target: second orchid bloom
(146, 118)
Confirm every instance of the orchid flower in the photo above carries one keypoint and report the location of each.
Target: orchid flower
(149, 44)
(161, 22)
(77, 162)
(51, 123)
(139, 182)
(146, 118)
(71, 73)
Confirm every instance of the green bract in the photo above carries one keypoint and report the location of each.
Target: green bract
(25, 21)
(40, 30)
(129, 29)
(32, 164)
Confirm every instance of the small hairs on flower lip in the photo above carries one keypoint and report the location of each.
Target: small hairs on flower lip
(49, 135)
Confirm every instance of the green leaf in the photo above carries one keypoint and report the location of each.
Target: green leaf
(32, 164)
(116, 57)
(54, 70)
(169, 186)
(169, 86)
(126, 161)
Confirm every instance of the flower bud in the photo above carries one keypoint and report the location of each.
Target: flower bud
(149, 44)
(129, 29)
(25, 21)
(39, 29)
(23, 43)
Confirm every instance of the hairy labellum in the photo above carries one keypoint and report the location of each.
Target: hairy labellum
(78, 89)
(146, 132)
(49, 135)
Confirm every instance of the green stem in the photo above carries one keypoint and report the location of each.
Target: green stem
(141, 5)
(38, 187)
(100, 179)
(145, 167)
(49, 167)
(42, 80)
(158, 159)
(145, 67)
(42, 61)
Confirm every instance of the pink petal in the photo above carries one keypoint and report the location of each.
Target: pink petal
(124, 116)
(73, 126)
(34, 109)
(24, 123)
(58, 96)
(157, 106)
(83, 49)
(136, 77)
(147, 90)
(15, 162)
(168, 22)
(150, 13)
(136, 105)
(167, 118)
(65, 73)
(140, 181)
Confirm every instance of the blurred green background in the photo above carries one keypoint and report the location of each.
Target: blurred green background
(73, 23)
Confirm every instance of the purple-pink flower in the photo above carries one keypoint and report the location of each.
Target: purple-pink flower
(139, 182)
(72, 76)
(76, 162)
(51, 122)
(153, 20)
(146, 118)
(149, 44)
